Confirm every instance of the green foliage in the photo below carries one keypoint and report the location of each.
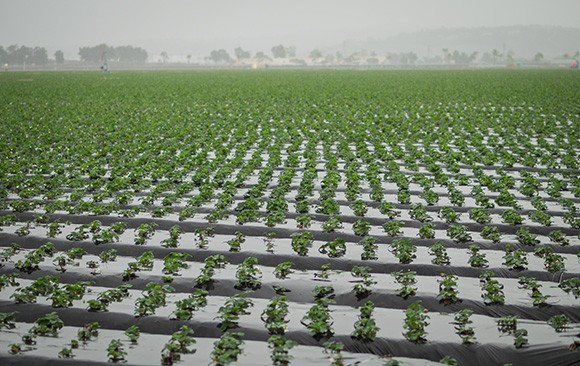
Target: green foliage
(116, 351)
(47, 325)
(415, 323)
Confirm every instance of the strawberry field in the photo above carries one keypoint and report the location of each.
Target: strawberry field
(290, 217)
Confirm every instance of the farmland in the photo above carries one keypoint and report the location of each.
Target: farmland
(290, 217)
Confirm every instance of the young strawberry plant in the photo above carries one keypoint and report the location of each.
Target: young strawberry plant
(154, 296)
(515, 259)
(274, 316)
(174, 262)
(174, 235)
(269, 242)
(557, 236)
(283, 269)
(415, 323)
(236, 242)
(418, 212)
(440, 253)
(491, 233)
(248, 275)
(458, 233)
(448, 215)
(480, 215)
(47, 325)
(302, 242)
(185, 307)
(447, 289)
(332, 224)
(404, 250)
(334, 249)
(554, 262)
(280, 347)
(7, 320)
(559, 322)
(303, 221)
(234, 307)
(365, 328)
(324, 272)
(318, 320)
(427, 231)
(227, 348)
(526, 238)
(202, 235)
(492, 292)
(511, 216)
(476, 259)
(370, 247)
(462, 328)
(144, 232)
(571, 285)
(406, 279)
(116, 351)
(393, 228)
(388, 210)
(133, 333)
(361, 227)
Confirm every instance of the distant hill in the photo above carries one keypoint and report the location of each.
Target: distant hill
(524, 41)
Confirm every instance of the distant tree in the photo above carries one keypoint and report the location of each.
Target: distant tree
(3, 56)
(220, 56)
(164, 57)
(131, 54)
(447, 55)
(577, 55)
(291, 51)
(241, 54)
(539, 57)
(188, 57)
(315, 54)
(496, 54)
(97, 54)
(59, 57)
(566, 56)
(412, 58)
(278, 51)
(39, 56)
(261, 57)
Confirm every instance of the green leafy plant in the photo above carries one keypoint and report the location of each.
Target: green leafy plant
(559, 322)
(415, 323)
(283, 269)
(447, 289)
(515, 259)
(407, 280)
(393, 228)
(133, 333)
(476, 259)
(47, 325)
(334, 249)
(462, 328)
(302, 242)
(248, 275)
(227, 348)
(370, 247)
(116, 351)
(440, 253)
(365, 328)
(404, 250)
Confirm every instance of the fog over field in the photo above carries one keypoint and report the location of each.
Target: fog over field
(182, 27)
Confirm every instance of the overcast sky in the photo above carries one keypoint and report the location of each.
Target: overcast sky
(187, 26)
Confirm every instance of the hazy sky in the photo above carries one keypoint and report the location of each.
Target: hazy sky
(194, 26)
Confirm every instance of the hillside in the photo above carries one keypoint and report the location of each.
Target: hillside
(524, 41)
